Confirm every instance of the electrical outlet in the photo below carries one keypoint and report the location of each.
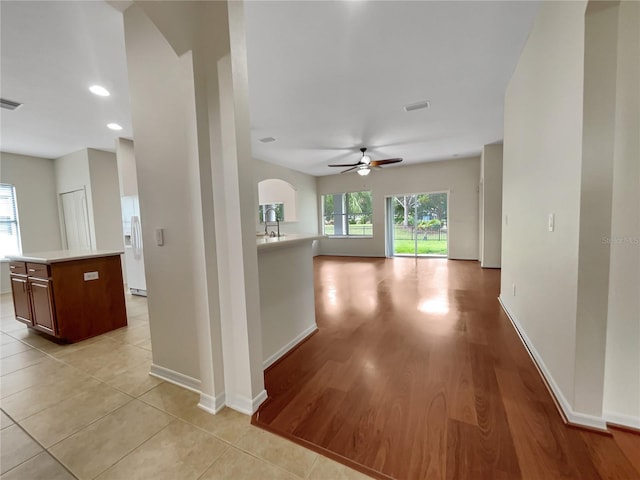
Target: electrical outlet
(91, 276)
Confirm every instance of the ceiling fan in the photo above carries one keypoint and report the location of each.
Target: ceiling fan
(365, 164)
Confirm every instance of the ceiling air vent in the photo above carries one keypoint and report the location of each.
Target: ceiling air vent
(9, 104)
(417, 106)
(267, 140)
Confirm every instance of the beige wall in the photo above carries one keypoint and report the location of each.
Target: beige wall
(571, 149)
(598, 126)
(96, 172)
(127, 175)
(107, 215)
(541, 175)
(490, 206)
(35, 183)
(188, 78)
(622, 380)
(161, 153)
(306, 197)
(460, 177)
(72, 173)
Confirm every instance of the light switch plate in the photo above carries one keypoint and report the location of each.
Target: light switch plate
(552, 222)
(159, 237)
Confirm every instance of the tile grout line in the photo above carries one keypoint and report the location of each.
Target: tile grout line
(61, 361)
(44, 450)
(315, 460)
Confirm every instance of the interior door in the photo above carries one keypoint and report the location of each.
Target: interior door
(76, 220)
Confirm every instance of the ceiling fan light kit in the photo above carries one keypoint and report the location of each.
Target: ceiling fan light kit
(364, 165)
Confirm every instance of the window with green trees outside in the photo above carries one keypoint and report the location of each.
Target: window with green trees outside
(347, 214)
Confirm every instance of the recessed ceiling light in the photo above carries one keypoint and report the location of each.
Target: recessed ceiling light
(114, 126)
(267, 140)
(417, 106)
(98, 90)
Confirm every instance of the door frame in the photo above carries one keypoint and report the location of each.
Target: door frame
(389, 225)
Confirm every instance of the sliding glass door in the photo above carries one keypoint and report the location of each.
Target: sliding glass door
(417, 225)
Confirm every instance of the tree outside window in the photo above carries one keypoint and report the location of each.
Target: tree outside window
(347, 214)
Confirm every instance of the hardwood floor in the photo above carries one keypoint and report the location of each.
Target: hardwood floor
(416, 373)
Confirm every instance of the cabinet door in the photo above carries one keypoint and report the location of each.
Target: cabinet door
(42, 305)
(20, 290)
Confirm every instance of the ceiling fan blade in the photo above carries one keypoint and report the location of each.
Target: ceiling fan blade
(345, 165)
(347, 170)
(377, 163)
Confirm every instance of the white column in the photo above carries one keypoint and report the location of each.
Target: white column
(215, 137)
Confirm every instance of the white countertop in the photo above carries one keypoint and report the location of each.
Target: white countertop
(287, 240)
(62, 255)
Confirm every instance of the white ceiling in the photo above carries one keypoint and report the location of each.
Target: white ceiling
(324, 77)
(51, 53)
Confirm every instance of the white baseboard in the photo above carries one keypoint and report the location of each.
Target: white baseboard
(212, 404)
(622, 420)
(575, 418)
(276, 356)
(176, 378)
(244, 404)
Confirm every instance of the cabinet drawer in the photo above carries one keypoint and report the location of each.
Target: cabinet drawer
(38, 270)
(18, 267)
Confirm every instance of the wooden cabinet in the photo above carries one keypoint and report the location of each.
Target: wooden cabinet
(42, 305)
(21, 301)
(72, 299)
(32, 295)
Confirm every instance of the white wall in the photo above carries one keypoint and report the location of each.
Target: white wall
(159, 100)
(188, 77)
(306, 197)
(622, 367)
(72, 173)
(96, 172)
(541, 175)
(127, 175)
(598, 122)
(460, 177)
(571, 148)
(34, 180)
(107, 215)
(491, 206)
(287, 305)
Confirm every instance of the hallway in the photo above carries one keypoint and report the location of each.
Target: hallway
(416, 372)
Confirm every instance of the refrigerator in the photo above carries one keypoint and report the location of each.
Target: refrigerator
(133, 251)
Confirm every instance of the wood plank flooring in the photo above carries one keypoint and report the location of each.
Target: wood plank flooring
(416, 373)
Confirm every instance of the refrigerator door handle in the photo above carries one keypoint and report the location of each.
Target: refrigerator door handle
(136, 237)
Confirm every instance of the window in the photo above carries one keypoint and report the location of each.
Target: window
(9, 234)
(347, 214)
(276, 212)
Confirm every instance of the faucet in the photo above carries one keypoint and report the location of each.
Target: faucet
(266, 222)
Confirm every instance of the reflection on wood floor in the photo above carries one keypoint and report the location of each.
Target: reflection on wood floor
(416, 373)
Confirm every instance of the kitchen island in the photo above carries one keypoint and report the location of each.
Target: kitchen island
(69, 294)
(287, 300)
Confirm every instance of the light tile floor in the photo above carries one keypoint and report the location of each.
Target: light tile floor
(91, 410)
